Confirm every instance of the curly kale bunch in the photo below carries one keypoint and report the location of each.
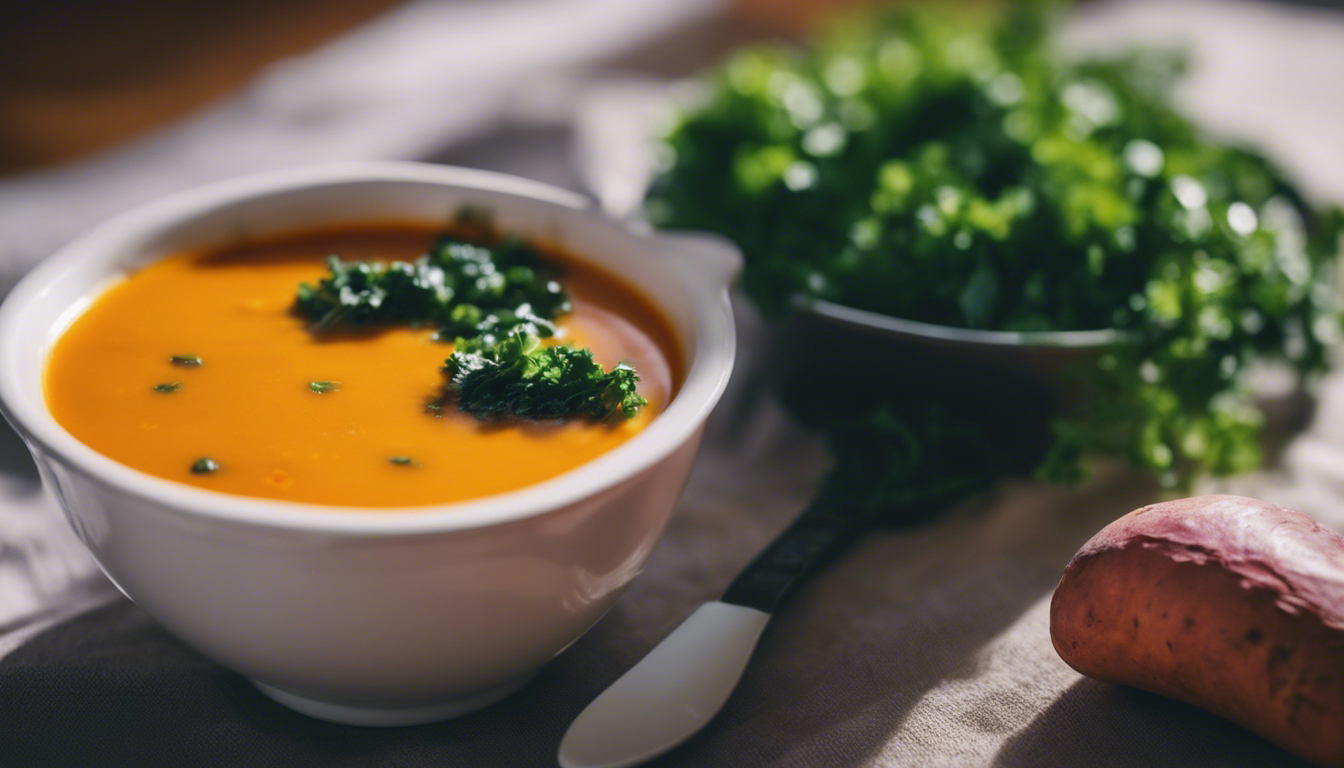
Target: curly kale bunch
(953, 169)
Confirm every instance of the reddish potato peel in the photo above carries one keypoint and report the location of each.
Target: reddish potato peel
(1231, 604)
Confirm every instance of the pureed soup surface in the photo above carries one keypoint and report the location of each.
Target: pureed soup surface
(249, 405)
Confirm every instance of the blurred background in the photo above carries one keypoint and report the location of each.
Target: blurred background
(162, 94)
(83, 76)
(80, 77)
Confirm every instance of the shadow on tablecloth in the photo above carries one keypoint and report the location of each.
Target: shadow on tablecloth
(832, 682)
(1117, 726)
(863, 669)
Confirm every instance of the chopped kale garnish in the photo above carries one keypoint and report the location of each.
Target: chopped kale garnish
(466, 288)
(496, 298)
(515, 376)
(168, 386)
(186, 361)
(204, 466)
(323, 387)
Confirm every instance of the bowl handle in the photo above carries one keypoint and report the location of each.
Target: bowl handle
(702, 256)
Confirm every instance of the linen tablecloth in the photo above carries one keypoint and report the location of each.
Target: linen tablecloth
(924, 646)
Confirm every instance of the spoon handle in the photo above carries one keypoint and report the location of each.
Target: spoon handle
(816, 536)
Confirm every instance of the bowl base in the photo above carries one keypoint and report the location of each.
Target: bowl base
(384, 717)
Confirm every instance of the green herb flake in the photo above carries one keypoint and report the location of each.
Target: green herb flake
(168, 386)
(323, 387)
(204, 466)
(186, 361)
(403, 461)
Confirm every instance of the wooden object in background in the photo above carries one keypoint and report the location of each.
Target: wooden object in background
(80, 75)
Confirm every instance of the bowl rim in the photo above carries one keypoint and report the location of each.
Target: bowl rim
(899, 326)
(709, 364)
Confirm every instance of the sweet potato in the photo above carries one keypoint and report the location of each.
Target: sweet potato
(1231, 604)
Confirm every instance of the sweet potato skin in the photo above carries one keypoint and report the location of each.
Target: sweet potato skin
(1231, 604)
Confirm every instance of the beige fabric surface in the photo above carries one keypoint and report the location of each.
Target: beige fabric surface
(921, 647)
(927, 646)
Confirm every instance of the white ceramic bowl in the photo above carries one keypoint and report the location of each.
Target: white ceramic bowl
(374, 619)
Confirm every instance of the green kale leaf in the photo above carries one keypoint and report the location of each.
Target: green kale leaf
(466, 288)
(515, 376)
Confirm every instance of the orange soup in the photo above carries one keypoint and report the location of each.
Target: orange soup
(371, 439)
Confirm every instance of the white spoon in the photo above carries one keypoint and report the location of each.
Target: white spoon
(686, 679)
(670, 694)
